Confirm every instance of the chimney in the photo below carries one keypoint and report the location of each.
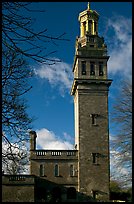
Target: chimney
(33, 136)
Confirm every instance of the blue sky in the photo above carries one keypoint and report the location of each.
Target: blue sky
(50, 100)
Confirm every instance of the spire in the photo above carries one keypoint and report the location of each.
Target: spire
(88, 6)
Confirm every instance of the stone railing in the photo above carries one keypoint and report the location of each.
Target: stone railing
(71, 153)
(41, 153)
(22, 179)
(54, 153)
(17, 178)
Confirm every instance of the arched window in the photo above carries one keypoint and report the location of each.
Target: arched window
(42, 170)
(56, 170)
(92, 68)
(83, 65)
(100, 68)
(95, 27)
(84, 27)
(90, 26)
(71, 170)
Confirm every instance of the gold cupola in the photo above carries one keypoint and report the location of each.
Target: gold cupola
(88, 22)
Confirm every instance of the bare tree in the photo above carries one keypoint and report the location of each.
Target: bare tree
(17, 28)
(122, 144)
(16, 160)
(21, 44)
(15, 120)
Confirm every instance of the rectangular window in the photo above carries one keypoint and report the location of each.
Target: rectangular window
(95, 158)
(83, 64)
(90, 26)
(42, 170)
(93, 118)
(71, 170)
(100, 68)
(94, 26)
(56, 170)
(92, 68)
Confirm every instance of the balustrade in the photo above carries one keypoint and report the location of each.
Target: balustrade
(55, 152)
(71, 153)
(41, 153)
(17, 178)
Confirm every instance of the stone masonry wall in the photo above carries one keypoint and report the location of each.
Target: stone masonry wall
(18, 188)
(50, 158)
(93, 139)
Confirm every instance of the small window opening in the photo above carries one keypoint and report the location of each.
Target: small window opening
(94, 116)
(41, 170)
(100, 68)
(56, 170)
(95, 26)
(95, 158)
(92, 68)
(71, 170)
(83, 67)
(90, 26)
(84, 27)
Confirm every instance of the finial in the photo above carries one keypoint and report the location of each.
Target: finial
(88, 6)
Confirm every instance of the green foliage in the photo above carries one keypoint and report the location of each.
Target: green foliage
(118, 193)
(115, 186)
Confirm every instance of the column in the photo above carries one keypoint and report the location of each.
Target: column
(92, 27)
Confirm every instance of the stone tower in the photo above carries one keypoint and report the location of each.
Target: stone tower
(90, 90)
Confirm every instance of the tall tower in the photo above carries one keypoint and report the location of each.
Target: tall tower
(90, 90)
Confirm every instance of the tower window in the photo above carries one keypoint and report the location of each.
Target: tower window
(83, 64)
(100, 68)
(92, 68)
(90, 26)
(71, 170)
(93, 116)
(84, 27)
(56, 170)
(95, 27)
(42, 170)
(95, 158)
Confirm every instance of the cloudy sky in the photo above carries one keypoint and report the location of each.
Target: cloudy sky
(50, 100)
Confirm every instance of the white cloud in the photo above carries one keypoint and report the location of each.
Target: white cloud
(68, 137)
(46, 139)
(57, 74)
(120, 42)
